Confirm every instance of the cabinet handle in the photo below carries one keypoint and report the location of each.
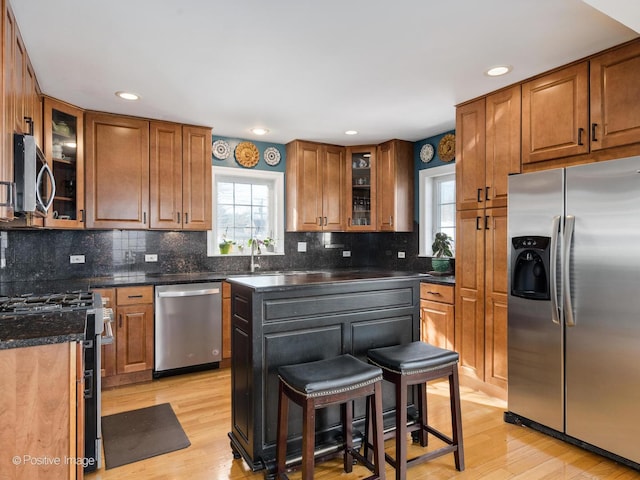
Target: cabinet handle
(144, 218)
(435, 293)
(349, 221)
(580, 130)
(11, 194)
(82, 215)
(319, 221)
(479, 195)
(486, 193)
(29, 122)
(134, 296)
(178, 217)
(120, 321)
(478, 223)
(593, 132)
(486, 222)
(325, 221)
(390, 221)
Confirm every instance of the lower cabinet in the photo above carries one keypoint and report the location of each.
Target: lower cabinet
(437, 320)
(41, 412)
(129, 359)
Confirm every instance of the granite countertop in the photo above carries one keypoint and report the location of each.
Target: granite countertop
(49, 327)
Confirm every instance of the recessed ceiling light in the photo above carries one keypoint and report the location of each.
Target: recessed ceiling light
(260, 131)
(128, 95)
(351, 132)
(498, 70)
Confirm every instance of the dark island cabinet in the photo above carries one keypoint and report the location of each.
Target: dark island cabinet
(303, 323)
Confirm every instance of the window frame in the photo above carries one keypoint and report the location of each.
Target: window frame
(219, 173)
(426, 182)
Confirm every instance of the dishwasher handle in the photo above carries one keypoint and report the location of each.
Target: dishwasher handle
(189, 293)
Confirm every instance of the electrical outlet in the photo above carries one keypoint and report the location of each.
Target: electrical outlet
(150, 257)
(76, 258)
(401, 255)
(302, 246)
(346, 253)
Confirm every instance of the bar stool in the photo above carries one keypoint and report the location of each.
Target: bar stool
(415, 364)
(318, 384)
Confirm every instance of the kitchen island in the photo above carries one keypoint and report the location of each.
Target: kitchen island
(302, 317)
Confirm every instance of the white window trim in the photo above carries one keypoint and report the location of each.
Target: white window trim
(425, 186)
(278, 228)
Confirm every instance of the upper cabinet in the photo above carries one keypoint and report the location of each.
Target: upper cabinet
(64, 147)
(361, 188)
(395, 186)
(585, 108)
(487, 149)
(180, 177)
(315, 178)
(117, 170)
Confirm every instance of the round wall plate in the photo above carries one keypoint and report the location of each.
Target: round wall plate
(426, 152)
(447, 148)
(247, 154)
(272, 156)
(221, 149)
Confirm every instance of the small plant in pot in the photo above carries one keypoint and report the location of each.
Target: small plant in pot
(270, 243)
(225, 245)
(442, 252)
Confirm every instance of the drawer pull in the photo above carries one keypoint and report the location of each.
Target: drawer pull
(134, 296)
(435, 293)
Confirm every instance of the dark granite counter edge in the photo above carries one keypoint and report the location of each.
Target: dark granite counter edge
(33, 342)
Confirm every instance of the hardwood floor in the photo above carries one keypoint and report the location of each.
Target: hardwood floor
(493, 449)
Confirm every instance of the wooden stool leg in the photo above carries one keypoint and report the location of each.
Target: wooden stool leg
(369, 411)
(378, 431)
(422, 411)
(401, 429)
(308, 438)
(456, 418)
(347, 432)
(283, 418)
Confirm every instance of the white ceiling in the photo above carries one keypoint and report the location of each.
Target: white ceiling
(303, 69)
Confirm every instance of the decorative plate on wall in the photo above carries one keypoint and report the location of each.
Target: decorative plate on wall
(247, 154)
(426, 152)
(447, 148)
(221, 149)
(272, 156)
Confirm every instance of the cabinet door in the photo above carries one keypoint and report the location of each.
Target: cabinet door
(555, 114)
(134, 349)
(395, 186)
(437, 324)
(469, 309)
(8, 103)
(360, 182)
(196, 178)
(470, 155)
(117, 169)
(333, 188)
(64, 147)
(503, 114)
(615, 97)
(165, 175)
(495, 317)
(304, 186)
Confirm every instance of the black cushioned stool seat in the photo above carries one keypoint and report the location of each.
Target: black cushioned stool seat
(318, 384)
(415, 364)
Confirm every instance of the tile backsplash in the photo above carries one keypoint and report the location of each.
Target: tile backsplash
(44, 254)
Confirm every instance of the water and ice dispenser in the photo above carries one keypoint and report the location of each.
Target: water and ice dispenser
(530, 267)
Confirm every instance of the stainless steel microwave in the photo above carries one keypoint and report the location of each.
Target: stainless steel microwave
(30, 171)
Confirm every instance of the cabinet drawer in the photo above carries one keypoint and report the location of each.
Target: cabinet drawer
(134, 295)
(437, 293)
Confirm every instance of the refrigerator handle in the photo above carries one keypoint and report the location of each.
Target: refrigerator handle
(555, 232)
(569, 224)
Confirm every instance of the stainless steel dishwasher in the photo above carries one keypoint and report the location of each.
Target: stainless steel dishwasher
(188, 327)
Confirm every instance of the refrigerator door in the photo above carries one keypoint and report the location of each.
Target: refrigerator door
(535, 332)
(602, 368)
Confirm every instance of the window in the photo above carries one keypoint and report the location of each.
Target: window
(437, 205)
(246, 204)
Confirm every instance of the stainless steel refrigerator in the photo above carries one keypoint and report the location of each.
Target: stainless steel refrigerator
(574, 305)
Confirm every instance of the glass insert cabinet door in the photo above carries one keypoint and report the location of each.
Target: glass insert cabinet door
(63, 140)
(361, 188)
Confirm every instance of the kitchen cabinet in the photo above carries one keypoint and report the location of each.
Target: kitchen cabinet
(180, 176)
(437, 319)
(117, 171)
(226, 322)
(395, 186)
(129, 358)
(481, 295)
(487, 149)
(64, 148)
(361, 188)
(41, 411)
(315, 179)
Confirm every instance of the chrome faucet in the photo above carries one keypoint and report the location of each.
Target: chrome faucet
(254, 265)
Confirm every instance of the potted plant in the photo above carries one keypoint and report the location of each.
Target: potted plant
(270, 244)
(442, 252)
(225, 244)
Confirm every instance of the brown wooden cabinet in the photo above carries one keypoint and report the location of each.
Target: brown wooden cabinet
(64, 148)
(117, 171)
(437, 319)
(361, 188)
(395, 186)
(488, 149)
(41, 411)
(180, 176)
(130, 357)
(315, 178)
